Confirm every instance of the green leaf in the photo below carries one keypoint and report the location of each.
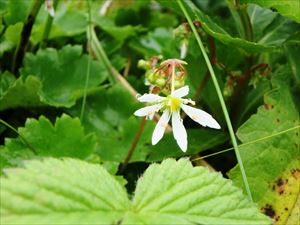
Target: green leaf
(71, 191)
(16, 11)
(290, 9)
(65, 191)
(62, 74)
(65, 138)
(109, 114)
(176, 193)
(216, 31)
(292, 51)
(63, 22)
(198, 140)
(118, 32)
(20, 93)
(6, 80)
(269, 163)
(278, 31)
(160, 41)
(11, 37)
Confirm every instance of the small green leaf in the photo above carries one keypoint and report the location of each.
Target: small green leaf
(21, 93)
(11, 37)
(118, 32)
(62, 74)
(6, 80)
(65, 191)
(289, 8)
(65, 138)
(174, 192)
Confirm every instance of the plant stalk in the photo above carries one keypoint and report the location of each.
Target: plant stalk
(134, 144)
(48, 27)
(221, 99)
(25, 35)
(100, 53)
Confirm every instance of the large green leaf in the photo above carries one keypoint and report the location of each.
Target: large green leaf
(217, 31)
(57, 191)
(71, 191)
(62, 74)
(20, 93)
(272, 165)
(289, 8)
(65, 138)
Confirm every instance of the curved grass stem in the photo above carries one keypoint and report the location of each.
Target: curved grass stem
(247, 143)
(221, 99)
(89, 61)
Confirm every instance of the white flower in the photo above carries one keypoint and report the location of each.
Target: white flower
(171, 106)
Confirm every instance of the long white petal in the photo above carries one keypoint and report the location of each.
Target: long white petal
(150, 98)
(179, 131)
(148, 110)
(160, 127)
(181, 92)
(200, 117)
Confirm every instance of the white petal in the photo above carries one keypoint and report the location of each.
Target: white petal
(200, 117)
(148, 110)
(181, 92)
(150, 98)
(179, 131)
(160, 127)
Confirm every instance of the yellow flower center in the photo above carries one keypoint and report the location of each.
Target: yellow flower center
(173, 103)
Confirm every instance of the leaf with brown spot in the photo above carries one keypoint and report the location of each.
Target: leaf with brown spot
(272, 165)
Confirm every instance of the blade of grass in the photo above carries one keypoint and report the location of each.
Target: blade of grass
(247, 143)
(221, 99)
(89, 60)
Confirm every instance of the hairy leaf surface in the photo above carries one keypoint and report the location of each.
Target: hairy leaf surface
(72, 191)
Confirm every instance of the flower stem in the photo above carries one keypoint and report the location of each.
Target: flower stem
(134, 144)
(48, 26)
(221, 99)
